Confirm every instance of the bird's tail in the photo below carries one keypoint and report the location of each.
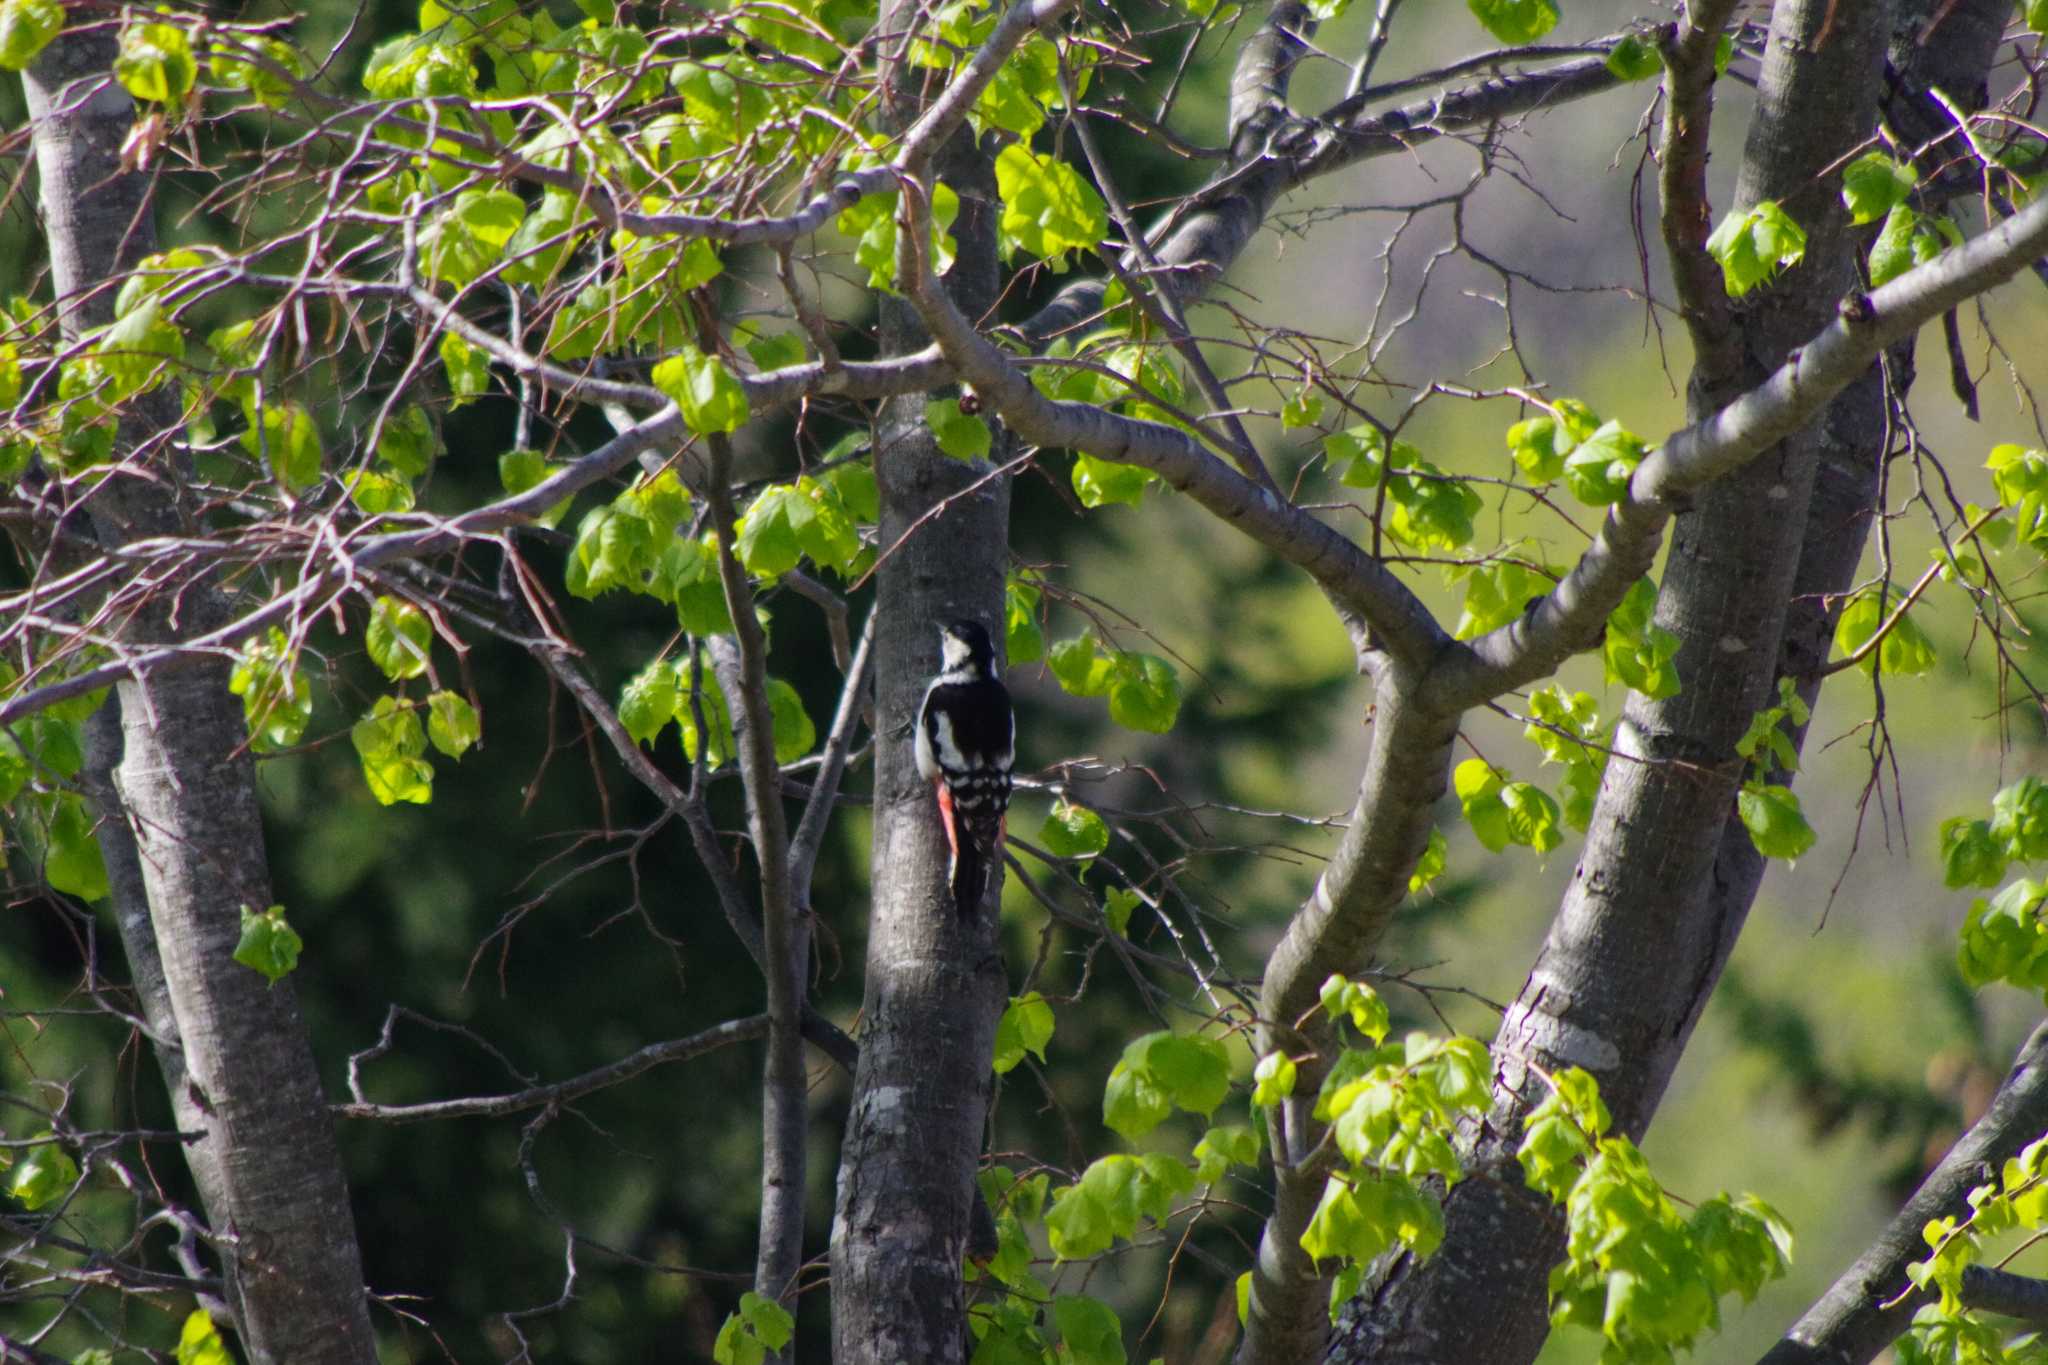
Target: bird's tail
(970, 876)
(980, 850)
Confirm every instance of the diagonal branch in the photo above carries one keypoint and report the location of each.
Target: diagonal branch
(1863, 1311)
(1572, 615)
(810, 830)
(1363, 590)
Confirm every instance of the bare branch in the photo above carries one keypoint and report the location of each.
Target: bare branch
(1864, 1311)
(562, 1092)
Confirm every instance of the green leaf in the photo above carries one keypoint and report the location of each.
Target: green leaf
(1227, 1145)
(269, 944)
(1431, 508)
(1023, 641)
(1751, 244)
(1078, 1225)
(735, 1345)
(375, 494)
(1072, 831)
(155, 63)
(1775, 823)
(1598, 469)
(199, 1343)
(1970, 854)
(26, 27)
(1431, 866)
(519, 470)
(1305, 409)
(1360, 455)
(469, 369)
(1026, 1026)
(2019, 818)
(71, 859)
(287, 441)
(540, 247)
(767, 1320)
(129, 356)
(710, 398)
(1540, 444)
(1194, 1071)
(1099, 483)
(2035, 13)
(1637, 652)
(399, 638)
(872, 225)
(1117, 904)
(44, 1175)
(452, 723)
(236, 69)
(958, 434)
(469, 237)
(698, 264)
(1133, 1103)
(1364, 1217)
(1905, 651)
(1089, 1331)
(794, 732)
(390, 742)
(407, 442)
(1634, 58)
(1909, 238)
(770, 351)
(1048, 209)
(1144, 693)
(1343, 997)
(1023, 89)
(1496, 594)
(771, 531)
(1515, 21)
(687, 575)
(276, 701)
(717, 716)
(1080, 667)
(1874, 184)
(650, 700)
(1273, 1079)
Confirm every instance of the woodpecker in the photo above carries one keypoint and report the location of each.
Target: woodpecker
(966, 744)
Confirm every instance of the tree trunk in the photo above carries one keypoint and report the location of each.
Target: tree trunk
(186, 820)
(1668, 875)
(935, 983)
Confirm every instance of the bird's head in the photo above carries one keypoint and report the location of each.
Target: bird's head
(964, 650)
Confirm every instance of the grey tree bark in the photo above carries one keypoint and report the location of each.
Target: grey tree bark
(935, 983)
(184, 833)
(1668, 873)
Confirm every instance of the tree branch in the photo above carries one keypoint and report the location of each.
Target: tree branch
(561, 1092)
(1572, 615)
(810, 830)
(742, 664)
(1363, 590)
(1863, 1312)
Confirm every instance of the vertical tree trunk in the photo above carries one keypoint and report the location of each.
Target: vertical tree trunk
(935, 983)
(188, 826)
(1668, 874)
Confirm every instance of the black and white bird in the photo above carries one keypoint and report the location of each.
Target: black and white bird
(966, 745)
